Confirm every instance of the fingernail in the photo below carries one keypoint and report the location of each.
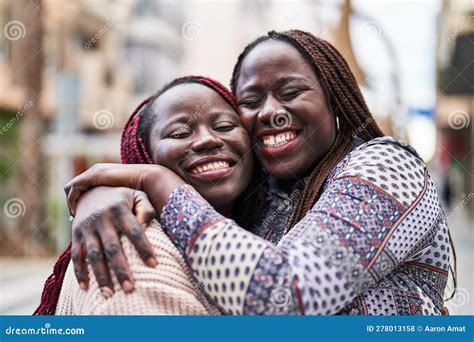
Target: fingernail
(127, 286)
(83, 285)
(151, 262)
(106, 292)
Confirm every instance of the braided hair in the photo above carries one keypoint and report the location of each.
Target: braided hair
(345, 101)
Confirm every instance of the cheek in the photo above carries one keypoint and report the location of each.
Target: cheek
(168, 154)
(247, 157)
(244, 147)
(320, 133)
(240, 141)
(247, 118)
(317, 117)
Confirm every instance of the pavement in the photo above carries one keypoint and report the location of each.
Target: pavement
(462, 232)
(21, 284)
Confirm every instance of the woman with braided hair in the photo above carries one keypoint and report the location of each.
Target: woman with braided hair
(168, 287)
(346, 221)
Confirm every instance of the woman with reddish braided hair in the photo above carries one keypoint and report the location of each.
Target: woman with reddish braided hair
(347, 221)
(168, 287)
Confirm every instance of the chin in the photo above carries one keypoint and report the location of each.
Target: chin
(220, 195)
(285, 170)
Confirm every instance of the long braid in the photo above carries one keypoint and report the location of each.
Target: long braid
(132, 149)
(345, 101)
(340, 148)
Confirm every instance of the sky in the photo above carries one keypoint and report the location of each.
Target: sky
(411, 27)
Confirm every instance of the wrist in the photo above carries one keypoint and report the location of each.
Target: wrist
(159, 183)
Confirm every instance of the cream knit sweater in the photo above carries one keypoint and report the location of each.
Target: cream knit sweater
(167, 289)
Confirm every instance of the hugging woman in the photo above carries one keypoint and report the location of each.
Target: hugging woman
(167, 287)
(343, 220)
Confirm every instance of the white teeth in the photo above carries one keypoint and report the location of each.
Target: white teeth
(213, 166)
(279, 139)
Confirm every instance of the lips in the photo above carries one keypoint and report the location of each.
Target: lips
(277, 140)
(278, 143)
(211, 168)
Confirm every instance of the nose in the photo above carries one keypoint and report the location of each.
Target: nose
(270, 107)
(206, 140)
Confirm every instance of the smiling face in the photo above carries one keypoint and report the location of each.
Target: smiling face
(198, 135)
(284, 108)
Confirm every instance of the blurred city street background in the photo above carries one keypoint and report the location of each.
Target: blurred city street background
(71, 71)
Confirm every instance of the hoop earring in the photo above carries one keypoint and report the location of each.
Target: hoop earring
(337, 123)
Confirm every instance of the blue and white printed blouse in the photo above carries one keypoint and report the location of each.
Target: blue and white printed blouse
(376, 242)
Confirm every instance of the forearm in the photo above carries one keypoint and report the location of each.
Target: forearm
(157, 181)
(159, 184)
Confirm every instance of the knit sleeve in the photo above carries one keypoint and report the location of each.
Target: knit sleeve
(360, 230)
(167, 289)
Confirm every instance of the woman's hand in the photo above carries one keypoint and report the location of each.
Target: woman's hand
(156, 180)
(106, 174)
(102, 215)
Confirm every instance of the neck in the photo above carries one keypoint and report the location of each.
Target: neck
(225, 210)
(286, 184)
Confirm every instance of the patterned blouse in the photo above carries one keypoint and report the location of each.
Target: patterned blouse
(376, 242)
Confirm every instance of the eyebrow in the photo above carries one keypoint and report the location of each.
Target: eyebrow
(219, 113)
(189, 119)
(279, 82)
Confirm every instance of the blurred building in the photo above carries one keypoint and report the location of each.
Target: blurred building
(455, 101)
(103, 57)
